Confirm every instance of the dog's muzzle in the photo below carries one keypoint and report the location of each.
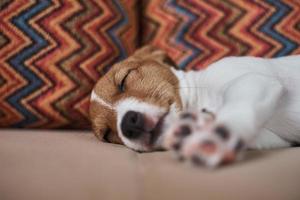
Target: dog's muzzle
(138, 126)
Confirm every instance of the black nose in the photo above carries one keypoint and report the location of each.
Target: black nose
(132, 124)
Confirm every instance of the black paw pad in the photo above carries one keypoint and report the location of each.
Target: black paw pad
(239, 145)
(184, 131)
(196, 160)
(187, 115)
(176, 146)
(222, 132)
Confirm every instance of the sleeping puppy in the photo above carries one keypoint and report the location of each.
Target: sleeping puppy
(207, 116)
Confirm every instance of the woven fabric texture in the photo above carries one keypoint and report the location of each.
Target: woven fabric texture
(196, 33)
(51, 54)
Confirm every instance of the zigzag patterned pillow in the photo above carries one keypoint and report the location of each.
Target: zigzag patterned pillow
(197, 33)
(51, 54)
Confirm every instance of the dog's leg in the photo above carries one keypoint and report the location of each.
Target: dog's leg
(248, 103)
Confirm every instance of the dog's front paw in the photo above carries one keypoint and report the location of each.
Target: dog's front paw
(212, 146)
(196, 138)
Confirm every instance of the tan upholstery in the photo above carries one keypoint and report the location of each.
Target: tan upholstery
(38, 165)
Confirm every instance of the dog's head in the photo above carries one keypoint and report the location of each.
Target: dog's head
(130, 104)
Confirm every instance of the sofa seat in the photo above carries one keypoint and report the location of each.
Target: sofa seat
(39, 164)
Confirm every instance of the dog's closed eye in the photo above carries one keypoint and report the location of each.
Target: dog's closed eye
(122, 84)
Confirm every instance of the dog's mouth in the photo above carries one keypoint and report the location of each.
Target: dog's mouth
(157, 131)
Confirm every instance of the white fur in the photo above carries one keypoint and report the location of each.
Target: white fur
(96, 98)
(251, 96)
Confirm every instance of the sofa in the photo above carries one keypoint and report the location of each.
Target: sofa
(73, 165)
(53, 52)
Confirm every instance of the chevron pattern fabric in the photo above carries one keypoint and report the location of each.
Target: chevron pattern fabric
(51, 54)
(197, 32)
(53, 51)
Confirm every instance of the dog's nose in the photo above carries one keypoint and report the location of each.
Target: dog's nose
(132, 124)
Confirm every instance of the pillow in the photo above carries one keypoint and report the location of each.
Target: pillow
(196, 33)
(53, 52)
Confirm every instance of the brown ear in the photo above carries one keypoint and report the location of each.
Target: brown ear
(152, 52)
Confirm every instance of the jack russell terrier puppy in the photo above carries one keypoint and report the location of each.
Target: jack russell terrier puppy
(208, 116)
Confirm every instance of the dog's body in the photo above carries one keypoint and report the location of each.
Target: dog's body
(208, 115)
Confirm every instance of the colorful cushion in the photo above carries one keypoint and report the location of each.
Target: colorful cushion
(196, 33)
(51, 54)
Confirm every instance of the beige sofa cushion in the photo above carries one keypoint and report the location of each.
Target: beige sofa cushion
(74, 165)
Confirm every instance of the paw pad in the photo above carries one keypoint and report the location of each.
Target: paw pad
(196, 160)
(222, 132)
(228, 158)
(184, 131)
(208, 147)
(176, 146)
(188, 115)
(239, 145)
